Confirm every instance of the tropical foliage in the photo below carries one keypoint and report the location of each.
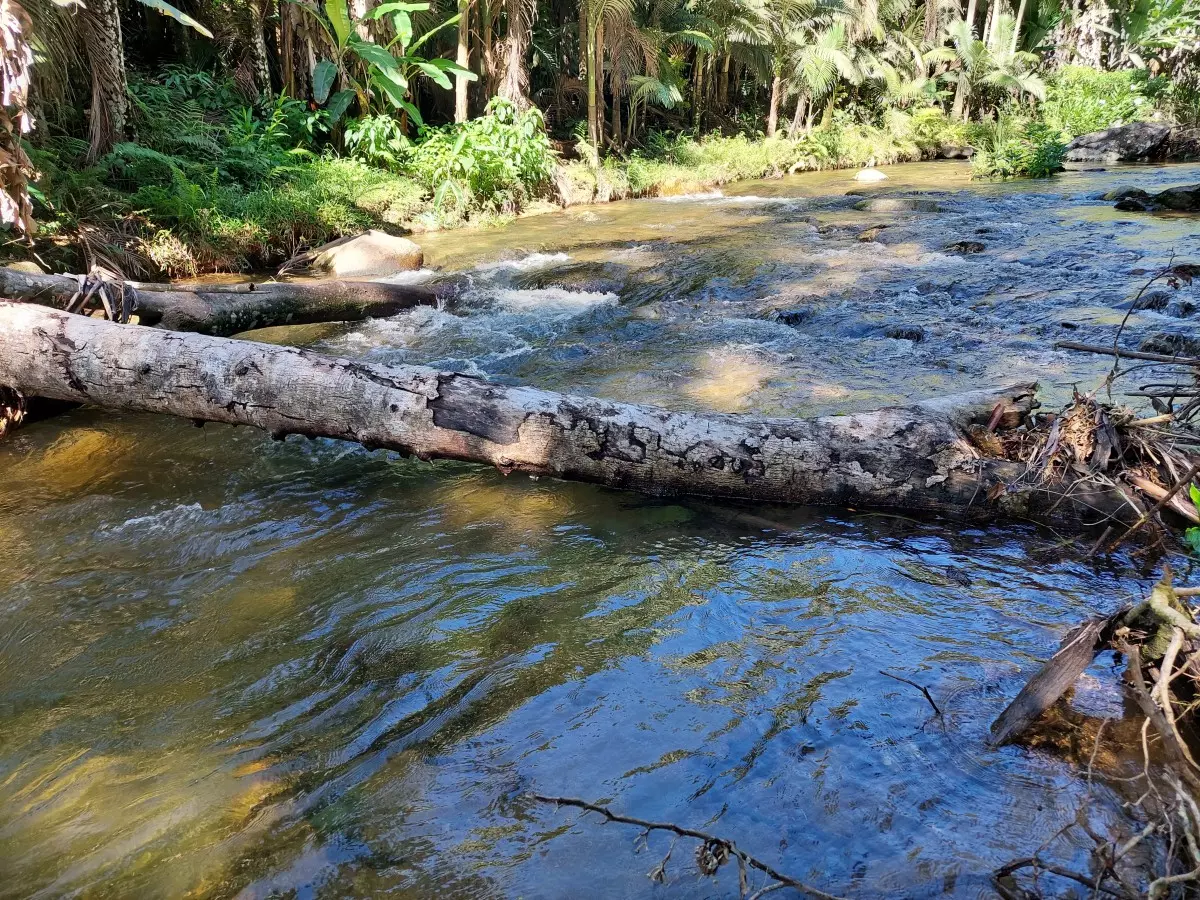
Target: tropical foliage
(229, 132)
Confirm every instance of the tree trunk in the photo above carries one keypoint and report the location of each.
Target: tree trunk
(598, 68)
(101, 25)
(514, 82)
(616, 119)
(931, 21)
(228, 309)
(773, 109)
(1016, 39)
(259, 56)
(723, 90)
(913, 457)
(801, 103)
(590, 77)
(463, 58)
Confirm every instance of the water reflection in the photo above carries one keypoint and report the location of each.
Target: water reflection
(236, 667)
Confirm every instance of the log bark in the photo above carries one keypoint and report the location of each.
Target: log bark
(914, 457)
(229, 309)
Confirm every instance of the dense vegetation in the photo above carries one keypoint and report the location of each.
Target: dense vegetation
(234, 132)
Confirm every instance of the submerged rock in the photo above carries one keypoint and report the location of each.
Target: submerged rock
(794, 317)
(372, 255)
(1171, 344)
(914, 333)
(898, 204)
(1120, 143)
(966, 247)
(871, 234)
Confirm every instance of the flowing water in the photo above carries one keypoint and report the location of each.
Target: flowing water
(237, 667)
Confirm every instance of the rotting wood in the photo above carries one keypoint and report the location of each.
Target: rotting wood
(1053, 679)
(229, 309)
(913, 457)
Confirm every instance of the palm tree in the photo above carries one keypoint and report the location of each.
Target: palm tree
(1001, 67)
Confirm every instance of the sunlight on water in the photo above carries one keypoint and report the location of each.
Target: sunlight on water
(234, 667)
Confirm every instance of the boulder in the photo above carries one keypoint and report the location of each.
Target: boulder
(1171, 344)
(1125, 193)
(952, 151)
(1185, 198)
(871, 234)
(1137, 140)
(897, 204)
(375, 254)
(870, 176)
(1182, 198)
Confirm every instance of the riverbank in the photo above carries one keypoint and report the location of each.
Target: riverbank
(155, 215)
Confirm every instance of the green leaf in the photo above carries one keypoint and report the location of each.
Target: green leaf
(384, 9)
(413, 112)
(177, 14)
(338, 104)
(453, 20)
(1194, 493)
(438, 76)
(324, 74)
(377, 56)
(339, 17)
(404, 29)
(1192, 537)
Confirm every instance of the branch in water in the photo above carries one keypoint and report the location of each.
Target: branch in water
(715, 849)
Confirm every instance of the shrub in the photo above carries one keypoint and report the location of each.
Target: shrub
(1013, 148)
(1080, 100)
(378, 141)
(496, 163)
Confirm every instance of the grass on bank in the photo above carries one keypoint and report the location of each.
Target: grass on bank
(211, 185)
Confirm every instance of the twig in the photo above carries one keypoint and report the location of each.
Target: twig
(729, 846)
(924, 690)
(1129, 354)
(1035, 863)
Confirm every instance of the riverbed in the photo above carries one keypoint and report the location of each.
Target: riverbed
(236, 667)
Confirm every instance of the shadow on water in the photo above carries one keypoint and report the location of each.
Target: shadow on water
(237, 667)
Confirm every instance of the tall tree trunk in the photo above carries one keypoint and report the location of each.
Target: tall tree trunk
(598, 71)
(698, 91)
(107, 116)
(487, 9)
(590, 76)
(463, 58)
(801, 103)
(257, 48)
(1016, 38)
(773, 109)
(827, 116)
(514, 82)
(931, 21)
(616, 119)
(916, 457)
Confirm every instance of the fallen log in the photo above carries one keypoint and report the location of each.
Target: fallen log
(228, 309)
(914, 457)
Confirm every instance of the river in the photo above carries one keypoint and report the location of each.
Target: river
(233, 667)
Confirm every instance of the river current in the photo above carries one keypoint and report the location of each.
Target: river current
(235, 667)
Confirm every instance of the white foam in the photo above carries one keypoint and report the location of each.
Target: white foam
(554, 301)
(525, 263)
(691, 198)
(417, 276)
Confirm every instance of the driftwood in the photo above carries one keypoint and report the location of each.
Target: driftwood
(915, 457)
(229, 309)
(1055, 678)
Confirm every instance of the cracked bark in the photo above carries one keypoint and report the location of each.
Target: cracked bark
(232, 309)
(913, 457)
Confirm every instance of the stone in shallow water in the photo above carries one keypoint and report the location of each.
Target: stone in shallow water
(870, 175)
(966, 247)
(1124, 193)
(898, 204)
(1171, 344)
(914, 333)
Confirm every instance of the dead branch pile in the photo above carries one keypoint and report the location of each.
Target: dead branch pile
(1160, 641)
